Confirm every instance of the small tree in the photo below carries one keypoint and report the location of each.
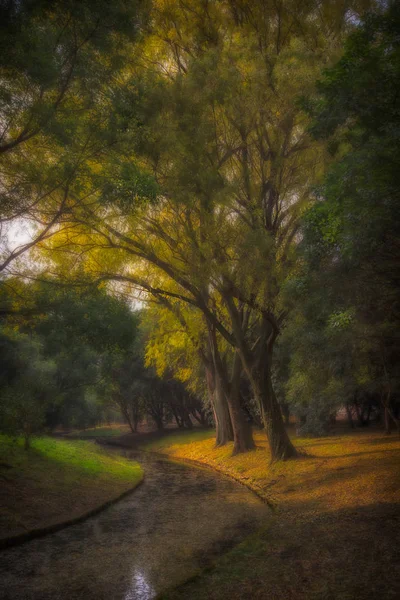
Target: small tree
(28, 387)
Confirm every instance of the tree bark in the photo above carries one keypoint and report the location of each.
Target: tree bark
(349, 415)
(159, 423)
(224, 433)
(135, 423)
(177, 418)
(280, 445)
(200, 417)
(285, 412)
(187, 421)
(223, 425)
(257, 365)
(259, 375)
(125, 413)
(242, 434)
(388, 429)
(388, 413)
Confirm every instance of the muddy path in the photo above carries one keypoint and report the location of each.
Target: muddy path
(175, 523)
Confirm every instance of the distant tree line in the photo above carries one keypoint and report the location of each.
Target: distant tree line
(74, 359)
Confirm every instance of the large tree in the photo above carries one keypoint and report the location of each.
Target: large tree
(216, 87)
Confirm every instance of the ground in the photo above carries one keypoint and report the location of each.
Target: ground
(334, 533)
(57, 480)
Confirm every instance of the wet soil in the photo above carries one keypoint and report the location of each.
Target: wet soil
(174, 524)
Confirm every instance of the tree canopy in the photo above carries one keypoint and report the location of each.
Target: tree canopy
(231, 166)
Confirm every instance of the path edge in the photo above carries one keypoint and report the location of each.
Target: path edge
(198, 463)
(22, 538)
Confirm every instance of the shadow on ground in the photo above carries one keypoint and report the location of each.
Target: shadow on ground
(342, 555)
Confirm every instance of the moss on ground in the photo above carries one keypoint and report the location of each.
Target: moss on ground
(335, 533)
(57, 480)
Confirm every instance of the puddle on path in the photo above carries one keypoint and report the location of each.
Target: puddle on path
(178, 520)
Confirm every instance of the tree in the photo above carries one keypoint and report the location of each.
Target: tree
(229, 148)
(128, 389)
(27, 385)
(178, 342)
(83, 332)
(349, 284)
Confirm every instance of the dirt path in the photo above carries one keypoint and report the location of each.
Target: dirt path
(175, 523)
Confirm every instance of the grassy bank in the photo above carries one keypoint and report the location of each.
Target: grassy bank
(57, 480)
(335, 533)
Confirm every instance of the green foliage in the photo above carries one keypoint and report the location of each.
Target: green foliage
(28, 384)
(78, 332)
(343, 338)
(357, 104)
(55, 57)
(127, 186)
(194, 179)
(62, 69)
(358, 96)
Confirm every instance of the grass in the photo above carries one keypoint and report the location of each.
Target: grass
(335, 532)
(57, 480)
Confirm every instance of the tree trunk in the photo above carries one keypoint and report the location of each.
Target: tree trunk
(223, 425)
(349, 416)
(388, 414)
(135, 423)
(224, 430)
(280, 445)
(200, 417)
(125, 412)
(177, 417)
(159, 423)
(187, 420)
(279, 442)
(285, 412)
(242, 434)
(388, 429)
(368, 414)
(257, 362)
